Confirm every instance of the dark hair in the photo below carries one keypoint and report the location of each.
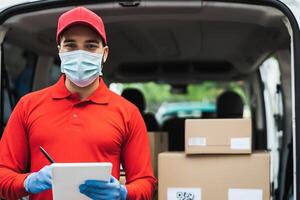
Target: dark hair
(136, 97)
(230, 105)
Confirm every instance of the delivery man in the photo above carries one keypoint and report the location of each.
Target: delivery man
(76, 120)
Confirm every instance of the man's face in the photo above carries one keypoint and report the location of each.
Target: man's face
(82, 37)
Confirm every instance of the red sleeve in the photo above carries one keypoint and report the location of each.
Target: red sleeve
(136, 161)
(14, 156)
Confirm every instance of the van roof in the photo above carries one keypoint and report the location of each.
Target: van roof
(229, 40)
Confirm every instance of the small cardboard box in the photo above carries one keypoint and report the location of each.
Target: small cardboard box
(218, 136)
(158, 143)
(210, 177)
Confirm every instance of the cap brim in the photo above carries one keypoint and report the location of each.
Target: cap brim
(79, 23)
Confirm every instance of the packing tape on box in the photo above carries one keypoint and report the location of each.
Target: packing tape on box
(178, 193)
(197, 141)
(245, 194)
(240, 143)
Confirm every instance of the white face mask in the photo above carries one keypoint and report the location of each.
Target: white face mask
(81, 67)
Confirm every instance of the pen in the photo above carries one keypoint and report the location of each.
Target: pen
(46, 155)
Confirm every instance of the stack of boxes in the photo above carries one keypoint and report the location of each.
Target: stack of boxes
(218, 164)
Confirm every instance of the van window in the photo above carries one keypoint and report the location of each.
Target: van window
(193, 100)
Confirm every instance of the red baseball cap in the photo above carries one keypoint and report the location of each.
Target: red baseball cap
(80, 15)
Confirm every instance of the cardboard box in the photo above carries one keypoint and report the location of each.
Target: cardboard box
(218, 136)
(214, 177)
(158, 143)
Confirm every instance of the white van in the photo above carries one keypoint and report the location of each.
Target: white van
(178, 42)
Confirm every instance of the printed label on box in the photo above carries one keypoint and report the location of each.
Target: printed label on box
(240, 143)
(197, 141)
(245, 194)
(184, 193)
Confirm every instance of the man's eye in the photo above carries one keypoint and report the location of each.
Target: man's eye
(91, 46)
(70, 45)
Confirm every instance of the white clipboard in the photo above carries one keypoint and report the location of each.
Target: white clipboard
(66, 178)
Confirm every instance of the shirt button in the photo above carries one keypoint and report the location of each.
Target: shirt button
(75, 115)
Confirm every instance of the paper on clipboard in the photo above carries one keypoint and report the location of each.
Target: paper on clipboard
(67, 177)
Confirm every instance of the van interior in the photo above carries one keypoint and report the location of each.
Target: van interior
(176, 45)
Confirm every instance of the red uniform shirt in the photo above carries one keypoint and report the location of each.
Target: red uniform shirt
(103, 128)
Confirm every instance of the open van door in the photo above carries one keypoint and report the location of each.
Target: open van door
(2, 36)
(293, 24)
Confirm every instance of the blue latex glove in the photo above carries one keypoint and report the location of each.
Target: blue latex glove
(39, 181)
(103, 190)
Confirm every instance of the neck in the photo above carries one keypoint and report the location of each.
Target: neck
(83, 92)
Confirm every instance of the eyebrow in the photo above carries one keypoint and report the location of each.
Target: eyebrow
(69, 40)
(92, 41)
(87, 41)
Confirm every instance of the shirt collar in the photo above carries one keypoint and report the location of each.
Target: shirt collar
(100, 96)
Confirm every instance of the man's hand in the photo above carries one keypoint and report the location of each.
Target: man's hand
(103, 190)
(39, 181)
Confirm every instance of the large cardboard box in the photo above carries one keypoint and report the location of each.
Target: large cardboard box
(214, 177)
(218, 136)
(158, 143)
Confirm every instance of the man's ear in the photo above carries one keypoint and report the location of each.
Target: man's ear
(105, 53)
(61, 38)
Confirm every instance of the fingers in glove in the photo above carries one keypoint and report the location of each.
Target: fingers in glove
(102, 185)
(99, 194)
